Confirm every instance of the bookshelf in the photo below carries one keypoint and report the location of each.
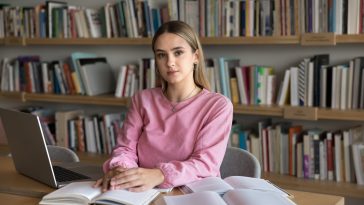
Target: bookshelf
(206, 41)
(278, 51)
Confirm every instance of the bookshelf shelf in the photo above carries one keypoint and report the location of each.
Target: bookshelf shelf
(333, 114)
(13, 95)
(350, 38)
(250, 40)
(318, 186)
(88, 41)
(323, 114)
(78, 99)
(104, 100)
(259, 110)
(260, 40)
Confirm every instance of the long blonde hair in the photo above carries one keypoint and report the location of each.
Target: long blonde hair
(184, 31)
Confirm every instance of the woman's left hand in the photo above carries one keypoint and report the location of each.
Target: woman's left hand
(136, 179)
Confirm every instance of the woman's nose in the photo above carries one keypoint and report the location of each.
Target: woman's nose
(171, 61)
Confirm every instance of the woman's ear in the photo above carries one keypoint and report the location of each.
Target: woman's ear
(196, 55)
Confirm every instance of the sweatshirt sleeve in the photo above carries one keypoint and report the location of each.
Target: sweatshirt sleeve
(125, 152)
(208, 151)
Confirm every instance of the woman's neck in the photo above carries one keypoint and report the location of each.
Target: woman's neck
(180, 93)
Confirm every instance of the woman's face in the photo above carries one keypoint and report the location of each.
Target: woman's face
(174, 58)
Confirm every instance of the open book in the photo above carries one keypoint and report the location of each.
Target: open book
(83, 193)
(232, 190)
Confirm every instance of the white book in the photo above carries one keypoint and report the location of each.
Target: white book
(121, 81)
(271, 89)
(83, 193)
(323, 160)
(153, 79)
(90, 134)
(107, 20)
(358, 158)
(350, 84)
(294, 86)
(232, 197)
(221, 186)
(113, 22)
(93, 22)
(344, 88)
(338, 17)
(310, 85)
(45, 79)
(338, 154)
(283, 93)
(241, 86)
(334, 92)
(347, 141)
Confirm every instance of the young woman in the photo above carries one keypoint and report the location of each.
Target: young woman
(176, 133)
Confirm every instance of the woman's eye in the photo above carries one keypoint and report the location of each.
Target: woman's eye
(160, 55)
(178, 53)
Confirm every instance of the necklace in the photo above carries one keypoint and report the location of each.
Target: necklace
(188, 96)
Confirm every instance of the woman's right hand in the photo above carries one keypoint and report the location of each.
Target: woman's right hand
(104, 182)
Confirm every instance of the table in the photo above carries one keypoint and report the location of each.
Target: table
(18, 189)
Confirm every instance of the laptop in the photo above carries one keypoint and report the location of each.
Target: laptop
(30, 155)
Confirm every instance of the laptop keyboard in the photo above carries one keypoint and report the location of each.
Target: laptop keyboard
(64, 175)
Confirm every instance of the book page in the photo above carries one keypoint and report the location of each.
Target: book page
(253, 197)
(215, 184)
(241, 182)
(205, 197)
(76, 190)
(126, 197)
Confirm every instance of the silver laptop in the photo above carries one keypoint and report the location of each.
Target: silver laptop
(30, 155)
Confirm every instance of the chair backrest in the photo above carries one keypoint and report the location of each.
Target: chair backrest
(62, 154)
(239, 162)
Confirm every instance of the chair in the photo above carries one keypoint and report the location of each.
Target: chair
(62, 154)
(239, 162)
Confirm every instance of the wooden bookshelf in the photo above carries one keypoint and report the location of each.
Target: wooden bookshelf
(323, 114)
(259, 110)
(318, 186)
(266, 40)
(350, 38)
(105, 100)
(77, 99)
(13, 95)
(88, 41)
(257, 40)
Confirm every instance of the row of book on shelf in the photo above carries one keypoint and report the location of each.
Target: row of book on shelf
(314, 82)
(79, 131)
(59, 19)
(305, 153)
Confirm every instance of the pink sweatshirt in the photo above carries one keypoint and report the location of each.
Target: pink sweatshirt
(186, 145)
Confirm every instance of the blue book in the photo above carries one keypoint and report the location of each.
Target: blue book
(223, 77)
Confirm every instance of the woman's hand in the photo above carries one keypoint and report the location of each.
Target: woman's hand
(136, 179)
(104, 182)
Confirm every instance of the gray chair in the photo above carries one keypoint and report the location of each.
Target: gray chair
(62, 154)
(239, 162)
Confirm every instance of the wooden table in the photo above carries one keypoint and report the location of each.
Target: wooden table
(17, 199)
(18, 189)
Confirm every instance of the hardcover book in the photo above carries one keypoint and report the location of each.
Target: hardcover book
(82, 193)
(232, 190)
